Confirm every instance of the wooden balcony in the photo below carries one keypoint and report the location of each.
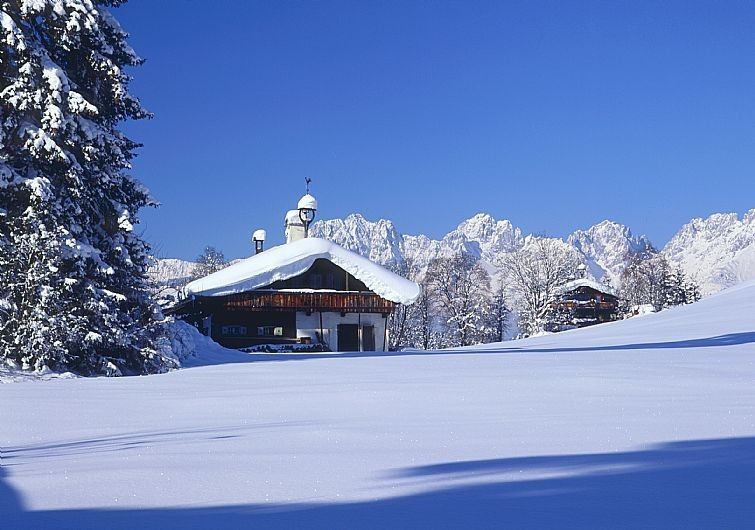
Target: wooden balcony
(571, 304)
(309, 301)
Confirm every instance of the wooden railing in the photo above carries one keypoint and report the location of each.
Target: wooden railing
(344, 302)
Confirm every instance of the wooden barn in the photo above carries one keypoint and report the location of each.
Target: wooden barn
(307, 291)
(581, 303)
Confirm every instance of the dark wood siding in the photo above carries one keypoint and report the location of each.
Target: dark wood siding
(250, 324)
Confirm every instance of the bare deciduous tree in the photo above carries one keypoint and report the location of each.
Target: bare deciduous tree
(211, 260)
(404, 324)
(459, 289)
(534, 275)
(422, 331)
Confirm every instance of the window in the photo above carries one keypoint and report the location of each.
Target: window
(315, 281)
(330, 281)
(270, 331)
(234, 331)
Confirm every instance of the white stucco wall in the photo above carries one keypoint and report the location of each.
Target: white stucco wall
(309, 326)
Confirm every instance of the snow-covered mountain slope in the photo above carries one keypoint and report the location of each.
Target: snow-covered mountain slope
(603, 246)
(643, 423)
(480, 235)
(379, 241)
(170, 272)
(485, 237)
(718, 251)
(606, 246)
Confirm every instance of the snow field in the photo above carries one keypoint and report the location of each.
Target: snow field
(643, 423)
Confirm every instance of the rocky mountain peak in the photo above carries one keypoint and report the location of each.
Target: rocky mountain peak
(606, 247)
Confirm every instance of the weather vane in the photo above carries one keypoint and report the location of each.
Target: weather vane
(307, 180)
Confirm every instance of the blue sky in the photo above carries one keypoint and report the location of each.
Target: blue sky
(555, 115)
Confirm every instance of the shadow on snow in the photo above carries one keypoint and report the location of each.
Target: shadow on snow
(699, 484)
(18, 454)
(731, 339)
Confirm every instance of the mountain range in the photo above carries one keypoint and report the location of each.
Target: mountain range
(717, 252)
(603, 246)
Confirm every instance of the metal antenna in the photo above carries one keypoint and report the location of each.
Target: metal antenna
(307, 180)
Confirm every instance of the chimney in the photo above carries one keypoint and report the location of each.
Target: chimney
(294, 227)
(258, 238)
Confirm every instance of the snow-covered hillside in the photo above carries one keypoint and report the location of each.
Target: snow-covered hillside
(643, 423)
(170, 272)
(717, 252)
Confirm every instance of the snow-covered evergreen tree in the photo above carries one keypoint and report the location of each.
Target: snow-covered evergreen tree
(649, 279)
(499, 315)
(72, 270)
(691, 291)
(211, 260)
(674, 287)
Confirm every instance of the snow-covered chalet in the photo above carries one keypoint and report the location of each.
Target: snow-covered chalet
(306, 291)
(583, 302)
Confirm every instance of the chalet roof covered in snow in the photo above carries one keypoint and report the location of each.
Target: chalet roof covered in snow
(585, 282)
(292, 259)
